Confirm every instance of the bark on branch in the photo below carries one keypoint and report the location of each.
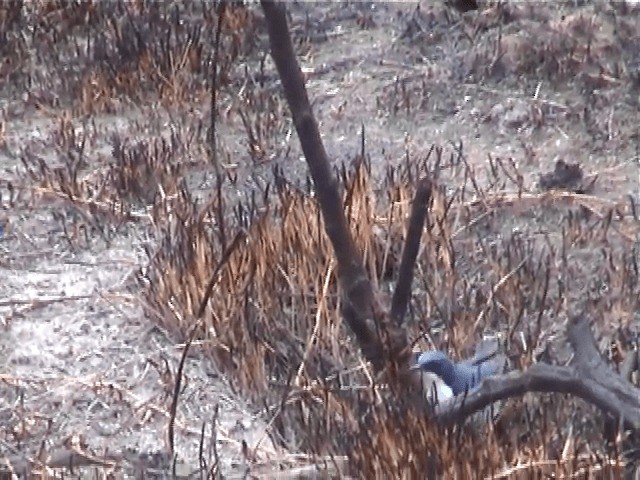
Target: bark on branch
(379, 341)
(402, 293)
(383, 341)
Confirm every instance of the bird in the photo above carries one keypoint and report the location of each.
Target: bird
(444, 379)
(435, 389)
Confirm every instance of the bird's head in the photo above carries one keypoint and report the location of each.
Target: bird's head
(437, 362)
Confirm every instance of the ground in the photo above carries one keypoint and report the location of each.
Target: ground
(83, 364)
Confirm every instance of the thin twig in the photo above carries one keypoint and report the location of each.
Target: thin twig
(220, 14)
(191, 335)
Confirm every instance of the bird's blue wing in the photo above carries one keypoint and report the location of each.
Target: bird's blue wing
(485, 350)
(471, 374)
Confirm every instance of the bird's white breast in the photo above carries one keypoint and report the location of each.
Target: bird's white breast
(435, 390)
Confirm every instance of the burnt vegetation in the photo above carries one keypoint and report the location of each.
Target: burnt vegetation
(241, 261)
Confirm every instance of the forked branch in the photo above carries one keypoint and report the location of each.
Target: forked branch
(383, 341)
(361, 306)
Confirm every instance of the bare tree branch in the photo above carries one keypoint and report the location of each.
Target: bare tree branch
(588, 378)
(402, 293)
(590, 364)
(385, 344)
(221, 10)
(361, 304)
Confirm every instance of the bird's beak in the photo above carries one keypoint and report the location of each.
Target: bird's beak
(414, 367)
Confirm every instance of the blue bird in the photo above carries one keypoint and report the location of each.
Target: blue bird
(444, 379)
(435, 390)
(459, 377)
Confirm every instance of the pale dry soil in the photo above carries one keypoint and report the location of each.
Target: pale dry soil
(78, 357)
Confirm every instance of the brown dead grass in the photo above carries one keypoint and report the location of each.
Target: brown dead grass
(593, 44)
(494, 257)
(109, 55)
(583, 44)
(272, 323)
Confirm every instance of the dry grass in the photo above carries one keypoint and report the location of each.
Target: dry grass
(110, 56)
(495, 255)
(272, 321)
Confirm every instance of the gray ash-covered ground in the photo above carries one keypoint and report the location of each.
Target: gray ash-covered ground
(529, 84)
